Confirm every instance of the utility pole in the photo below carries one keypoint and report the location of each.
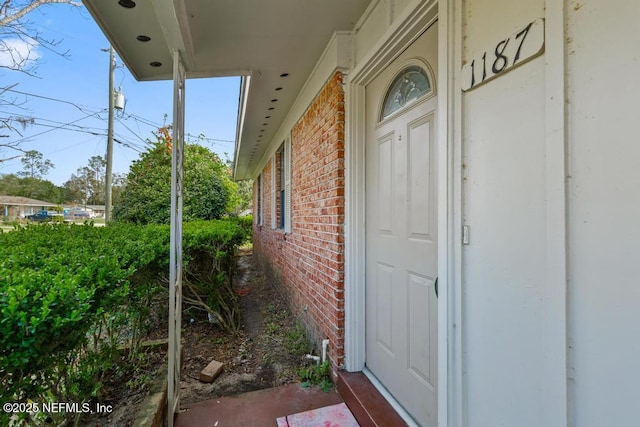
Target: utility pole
(107, 193)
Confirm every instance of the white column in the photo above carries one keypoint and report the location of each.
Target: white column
(175, 267)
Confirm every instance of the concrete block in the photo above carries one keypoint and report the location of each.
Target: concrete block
(213, 369)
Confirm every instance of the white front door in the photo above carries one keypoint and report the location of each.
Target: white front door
(401, 229)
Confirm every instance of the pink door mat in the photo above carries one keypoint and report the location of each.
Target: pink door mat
(329, 416)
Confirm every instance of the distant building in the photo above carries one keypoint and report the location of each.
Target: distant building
(14, 207)
(98, 210)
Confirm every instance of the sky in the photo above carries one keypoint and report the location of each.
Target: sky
(68, 100)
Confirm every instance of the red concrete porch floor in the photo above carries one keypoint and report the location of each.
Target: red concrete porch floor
(255, 409)
(264, 407)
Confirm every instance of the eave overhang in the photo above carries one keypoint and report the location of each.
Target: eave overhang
(276, 43)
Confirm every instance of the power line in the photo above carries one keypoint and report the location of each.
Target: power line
(87, 130)
(70, 146)
(136, 145)
(124, 144)
(212, 140)
(71, 129)
(75, 128)
(84, 109)
(122, 152)
(135, 134)
(55, 128)
(142, 120)
(96, 110)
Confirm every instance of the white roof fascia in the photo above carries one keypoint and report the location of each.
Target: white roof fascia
(245, 84)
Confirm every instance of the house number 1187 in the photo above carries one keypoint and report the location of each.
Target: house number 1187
(516, 49)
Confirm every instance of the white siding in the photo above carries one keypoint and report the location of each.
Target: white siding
(604, 209)
(505, 343)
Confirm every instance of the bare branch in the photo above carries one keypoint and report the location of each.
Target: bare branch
(12, 147)
(21, 13)
(9, 158)
(19, 41)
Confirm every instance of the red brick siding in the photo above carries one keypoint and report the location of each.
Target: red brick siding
(308, 263)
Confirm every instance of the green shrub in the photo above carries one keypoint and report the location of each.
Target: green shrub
(317, 374)
(246, 222)
(208, 190)
(69, 294)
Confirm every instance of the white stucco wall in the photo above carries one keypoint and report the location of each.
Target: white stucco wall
(603, 59)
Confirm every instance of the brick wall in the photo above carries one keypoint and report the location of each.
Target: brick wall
(308, 263)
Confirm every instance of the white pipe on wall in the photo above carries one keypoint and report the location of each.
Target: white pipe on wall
(312, 357)
(325, 344)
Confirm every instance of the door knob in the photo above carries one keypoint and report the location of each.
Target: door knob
(435, 286)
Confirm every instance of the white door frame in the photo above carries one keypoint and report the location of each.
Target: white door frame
(416, 18)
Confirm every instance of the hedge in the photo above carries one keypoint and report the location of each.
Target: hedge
(69, 293)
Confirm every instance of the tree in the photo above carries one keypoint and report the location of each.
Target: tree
(96, 169)
(76, 188)
(19, 43)
(34, 188)
(242, 198)
(87, 185)
(35, 165)
(40, 189)
(118, 184)
(9, 185)
(147, 195)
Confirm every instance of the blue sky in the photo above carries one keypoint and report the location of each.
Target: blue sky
(71, 126)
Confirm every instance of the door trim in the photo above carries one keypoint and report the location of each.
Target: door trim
(415, 20)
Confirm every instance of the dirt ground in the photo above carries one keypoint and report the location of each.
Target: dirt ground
(259, 357)
(267, 352)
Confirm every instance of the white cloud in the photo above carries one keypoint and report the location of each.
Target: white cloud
(14, 52)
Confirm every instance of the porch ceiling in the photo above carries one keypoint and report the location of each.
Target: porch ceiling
(257, 38)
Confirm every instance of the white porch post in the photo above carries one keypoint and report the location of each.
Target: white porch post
(175, 258)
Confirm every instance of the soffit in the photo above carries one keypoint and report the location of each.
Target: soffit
(263, 39)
